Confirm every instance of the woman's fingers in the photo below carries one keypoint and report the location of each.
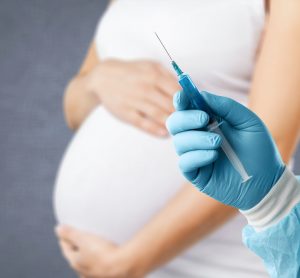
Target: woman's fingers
(76, 238)
(67, 234)
(161, 77)
(196, 140)
(159, 99)
(140, 121)
(66, 249)
(69, 253)
(73, 257)
(167, 81)
(64, 234)
(168, 86)
(153, 113)
(145, 87)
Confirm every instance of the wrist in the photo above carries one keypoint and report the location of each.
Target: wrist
(131, 261)
(93, 83)
(99, 75)
(277, 204)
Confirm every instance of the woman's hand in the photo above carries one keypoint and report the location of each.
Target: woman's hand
(94, 257)
(138, 92)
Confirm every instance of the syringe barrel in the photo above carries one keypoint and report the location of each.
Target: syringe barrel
(198, 102)
(195, 97)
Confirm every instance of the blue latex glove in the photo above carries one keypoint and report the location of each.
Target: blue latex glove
(205, 165)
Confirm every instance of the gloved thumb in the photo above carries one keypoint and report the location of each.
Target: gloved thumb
(181, 101)
(231, 111)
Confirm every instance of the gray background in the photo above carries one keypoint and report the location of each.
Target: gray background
(42, 45)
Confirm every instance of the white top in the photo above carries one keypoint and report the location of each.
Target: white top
(114, 177)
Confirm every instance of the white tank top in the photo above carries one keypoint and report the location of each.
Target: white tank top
(114, 177)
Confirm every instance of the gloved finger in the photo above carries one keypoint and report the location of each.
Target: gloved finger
(196, 140)
(181, 121)
(181, 101)
(199, 177)
(193, 160)
(231, 111)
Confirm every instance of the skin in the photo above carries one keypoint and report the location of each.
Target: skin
(145, 251)
(277, 76)
(142, 96)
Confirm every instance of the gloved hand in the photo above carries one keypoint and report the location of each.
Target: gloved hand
(205, 165)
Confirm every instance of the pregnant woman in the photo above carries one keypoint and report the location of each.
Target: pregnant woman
(119, 178)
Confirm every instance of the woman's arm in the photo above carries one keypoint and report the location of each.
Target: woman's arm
(79, 98)
(275, 93)
(188, 217)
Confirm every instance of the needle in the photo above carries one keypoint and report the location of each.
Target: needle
(174, 65)
(163, 46)
(198, 102)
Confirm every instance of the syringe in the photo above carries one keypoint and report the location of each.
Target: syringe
(198, 102)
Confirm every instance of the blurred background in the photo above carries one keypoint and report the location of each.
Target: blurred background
(42, 45)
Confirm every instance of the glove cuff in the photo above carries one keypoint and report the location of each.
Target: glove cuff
(277, 204)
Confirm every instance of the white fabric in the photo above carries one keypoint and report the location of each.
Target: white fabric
(277, 204)
(114, 177)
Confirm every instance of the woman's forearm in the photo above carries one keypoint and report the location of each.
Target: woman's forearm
(275, 94)
(188, 217)
(79, 101)
(80, 98)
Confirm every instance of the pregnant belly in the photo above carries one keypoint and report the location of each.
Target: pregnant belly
(114, 178)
